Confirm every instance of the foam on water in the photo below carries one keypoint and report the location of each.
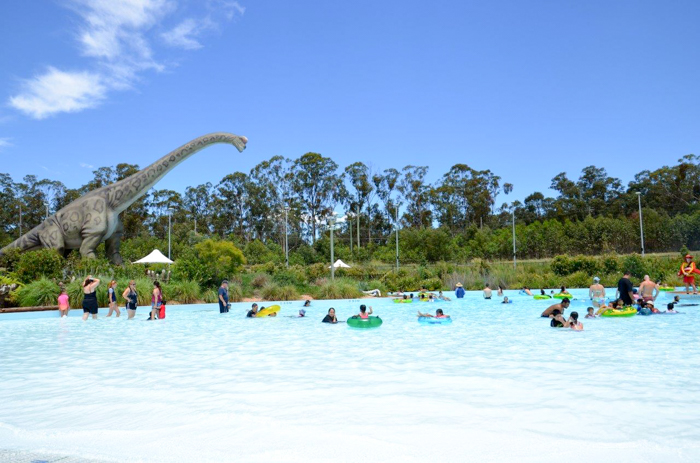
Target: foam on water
(496, 384)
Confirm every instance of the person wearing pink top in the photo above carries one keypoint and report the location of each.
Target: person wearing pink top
(363, 312)
(63, 304)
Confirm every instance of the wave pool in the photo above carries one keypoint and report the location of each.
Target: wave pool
(496, 385)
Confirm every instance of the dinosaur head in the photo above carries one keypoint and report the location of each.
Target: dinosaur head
(238, 141)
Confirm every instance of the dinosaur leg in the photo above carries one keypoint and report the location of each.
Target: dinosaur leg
(89, 244)
(52, 238)
(113, 243)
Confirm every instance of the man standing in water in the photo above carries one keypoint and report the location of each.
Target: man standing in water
(487, 292)
(648, 290)
(597, 293)
(625, 288)
(223, 297)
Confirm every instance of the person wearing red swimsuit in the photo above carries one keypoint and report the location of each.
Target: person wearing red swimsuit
(688, 271)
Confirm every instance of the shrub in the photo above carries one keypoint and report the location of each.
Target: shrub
(210, 296)
(290, 276)
(42, 263)
(273, 292)
(340, 288)
(432, 284)
(40, 292)
(9, 259)
(10, 298)
(561, 265)
(260, 280)
(184, 292)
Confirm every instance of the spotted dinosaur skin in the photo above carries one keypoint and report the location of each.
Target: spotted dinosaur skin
(94, 217)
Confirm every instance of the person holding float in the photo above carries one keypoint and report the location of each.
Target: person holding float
(688, 271)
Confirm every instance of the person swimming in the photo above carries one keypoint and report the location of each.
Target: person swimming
(557, 320)
(307, 303)
(330, 317)
(506, 301)
(591, 313)
(302, 313)
(671, 308)
(574, 324)
(438, 314)
(253, 311)
(363, 312)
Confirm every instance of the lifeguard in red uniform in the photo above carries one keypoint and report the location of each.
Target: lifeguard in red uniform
(688, 271)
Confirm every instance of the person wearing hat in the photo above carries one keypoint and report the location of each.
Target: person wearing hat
(459, 291)
(688, 271)
(597, 293)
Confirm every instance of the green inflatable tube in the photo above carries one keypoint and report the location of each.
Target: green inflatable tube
(371, 322)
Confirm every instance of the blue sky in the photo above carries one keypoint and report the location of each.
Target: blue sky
(527, 89)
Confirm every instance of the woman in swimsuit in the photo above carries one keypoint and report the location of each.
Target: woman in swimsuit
(597, 293)
(330, 318)
(156, 300)
(132, 299)
(574, 324)
(112, 298)
(90, 297)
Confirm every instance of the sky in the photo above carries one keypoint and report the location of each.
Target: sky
(527, 89)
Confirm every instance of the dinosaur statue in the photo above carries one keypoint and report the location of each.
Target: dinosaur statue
(94, 217)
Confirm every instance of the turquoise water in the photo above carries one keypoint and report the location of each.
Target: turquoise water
(497, 384)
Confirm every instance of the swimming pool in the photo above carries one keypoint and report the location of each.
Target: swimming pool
(497, 384)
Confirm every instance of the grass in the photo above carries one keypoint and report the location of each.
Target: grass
(40, 292)
(340, 288)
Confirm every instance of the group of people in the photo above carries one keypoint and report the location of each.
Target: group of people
(129, 295)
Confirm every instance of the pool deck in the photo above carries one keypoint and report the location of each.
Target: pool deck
(12, 456)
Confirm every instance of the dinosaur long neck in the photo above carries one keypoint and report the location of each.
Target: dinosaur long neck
(124, 193)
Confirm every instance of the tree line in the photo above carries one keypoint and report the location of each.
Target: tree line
(456, 215)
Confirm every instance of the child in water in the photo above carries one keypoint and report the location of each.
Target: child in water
(574, 324)
(506, 300)
(363, 312)
(63, 305)
(671, 308)
(438, 314)
(591, 313)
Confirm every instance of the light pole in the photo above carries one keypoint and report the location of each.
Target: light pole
(641, 223)
(47, 209)
(170, 214)
(397, 239)
(286, 235)
(195, 225)
(20, 220)
(331, 223)
(513, 212)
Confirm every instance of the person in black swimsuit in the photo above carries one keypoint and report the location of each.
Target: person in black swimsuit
(90, 297)
(330, 318)
(253, 311)
(132, 299)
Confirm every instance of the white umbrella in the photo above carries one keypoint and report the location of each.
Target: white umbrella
(155, 257)
(340, 264)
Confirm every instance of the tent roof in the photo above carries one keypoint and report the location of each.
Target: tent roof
(155, 257)
(340, 264)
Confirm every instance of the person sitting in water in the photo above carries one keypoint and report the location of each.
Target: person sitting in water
(500, 290)
(526, 291)
(671, 308)
(650, 306)
(459, 291)
(438, 314)
(363, 312)
(307, 303)
(617, 304)
(561, 307)
(330, 317)
(487, 292)
(442, 296)
(506, 300)
(543, 293)
(563, 290)
(253, 311)
(591, 313)
(574, 324)
(558, 320)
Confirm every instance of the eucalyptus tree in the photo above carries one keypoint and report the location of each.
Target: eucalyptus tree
(197, 202)
(316, 187)
(416, 194)
(232, 206)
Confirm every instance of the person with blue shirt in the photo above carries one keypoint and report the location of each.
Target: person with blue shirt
(223, 297)
(459, 291)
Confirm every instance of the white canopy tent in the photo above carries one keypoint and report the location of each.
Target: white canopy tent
(155, 257)
(340, 264)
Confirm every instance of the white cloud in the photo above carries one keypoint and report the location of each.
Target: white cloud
(4, 143)
(116, 34)
(183, 35)
(86, 166)
(57, 91)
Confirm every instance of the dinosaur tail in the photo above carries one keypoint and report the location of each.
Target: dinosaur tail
(26, 242)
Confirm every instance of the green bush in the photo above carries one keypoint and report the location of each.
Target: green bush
(273, 292)
(40, 292)
(260, 280)
(432, 284)
(210, 296)
(290, 276)
(9, 259)
(561, 265)
(184, 292)
(42, 263)
(339, 288)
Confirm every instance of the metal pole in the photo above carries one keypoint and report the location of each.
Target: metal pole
(350, 228)
(397, 239)
(169, 216)
(358, 227)
(47, 210)
(513, 211)
(286, 236)
(195, 225)
(20, 219)
(641, 222)
(331, 221)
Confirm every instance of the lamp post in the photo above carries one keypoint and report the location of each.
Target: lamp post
(513, 212)
(641, 222)
(20, 219)
(286, 235)
(331, 223)
(397, 238)
(170, 214)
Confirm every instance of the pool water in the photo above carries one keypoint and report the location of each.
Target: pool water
(497, 384)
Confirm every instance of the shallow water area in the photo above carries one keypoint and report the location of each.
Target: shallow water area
(496, 384)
